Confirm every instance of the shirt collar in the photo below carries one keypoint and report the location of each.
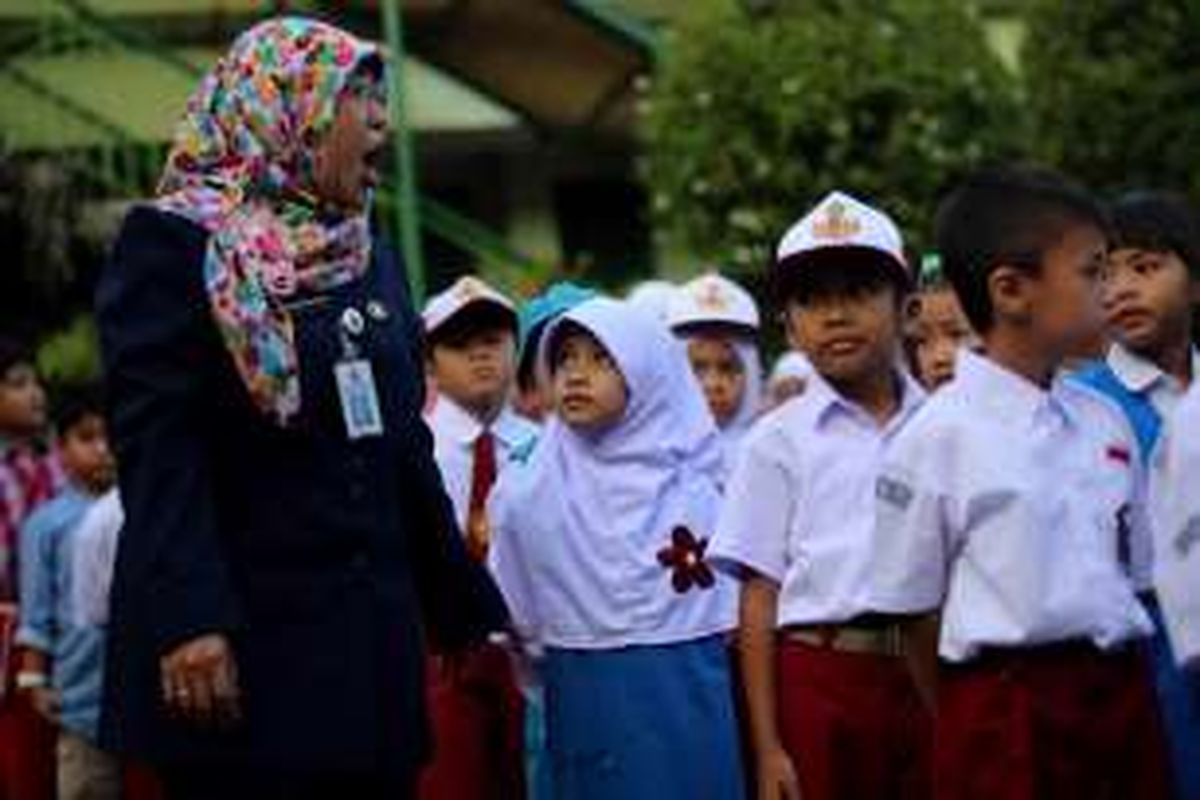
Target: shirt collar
(455, 422)
(1003, 391)
(829, 401)
(510, 428)
(1140, 375)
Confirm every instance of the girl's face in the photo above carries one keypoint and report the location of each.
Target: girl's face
(721, 374)
(589, 391)
(940, 329)
(347, 160)
(1147, 299)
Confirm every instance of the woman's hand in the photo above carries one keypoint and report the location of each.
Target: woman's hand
(777, 776)
(200, 682)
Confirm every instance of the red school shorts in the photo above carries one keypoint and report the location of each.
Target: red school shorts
(1058, 722)
(853, 724)
(477, 715)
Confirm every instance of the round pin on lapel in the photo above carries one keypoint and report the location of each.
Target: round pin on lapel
(352, 322)
(377, 311)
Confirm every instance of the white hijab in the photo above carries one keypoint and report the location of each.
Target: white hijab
(653, 297)
(752, 398)
(578, 529)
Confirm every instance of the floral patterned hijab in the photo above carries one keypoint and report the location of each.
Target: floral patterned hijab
(241, 165)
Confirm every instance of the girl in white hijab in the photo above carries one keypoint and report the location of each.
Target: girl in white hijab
(599, 547)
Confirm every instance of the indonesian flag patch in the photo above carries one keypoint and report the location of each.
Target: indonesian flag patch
(1119, 453)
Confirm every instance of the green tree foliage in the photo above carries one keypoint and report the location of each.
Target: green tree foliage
(1114, 88)
(71, 355)
(752, 118)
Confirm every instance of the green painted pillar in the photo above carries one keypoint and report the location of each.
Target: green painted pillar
(408, 223)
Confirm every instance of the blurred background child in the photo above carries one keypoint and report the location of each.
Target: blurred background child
(937, 326)
(718, 320)
(62, 663)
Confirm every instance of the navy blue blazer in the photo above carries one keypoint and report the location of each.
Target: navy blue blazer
(329, 563)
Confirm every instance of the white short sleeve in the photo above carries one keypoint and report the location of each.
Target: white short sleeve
(754, 524)
(909, 554)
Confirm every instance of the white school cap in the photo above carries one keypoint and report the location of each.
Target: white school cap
(842, 222)
(712, 299)
(467, 292)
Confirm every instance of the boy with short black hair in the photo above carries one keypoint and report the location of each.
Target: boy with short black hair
(1151, 283)
(832, 712)
(1009, 519)
(62, 661)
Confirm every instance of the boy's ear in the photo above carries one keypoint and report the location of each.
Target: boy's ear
(1010, 292)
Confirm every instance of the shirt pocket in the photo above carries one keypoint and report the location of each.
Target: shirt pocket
(1105, 501)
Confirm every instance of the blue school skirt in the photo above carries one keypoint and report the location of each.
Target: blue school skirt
(653, 722)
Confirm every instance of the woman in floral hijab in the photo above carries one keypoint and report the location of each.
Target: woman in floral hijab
(288, 546)
(244, 166)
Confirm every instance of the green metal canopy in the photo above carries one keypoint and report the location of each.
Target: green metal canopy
(110, 77)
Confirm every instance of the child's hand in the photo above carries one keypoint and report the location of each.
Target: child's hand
(46, 703)
(777, 777)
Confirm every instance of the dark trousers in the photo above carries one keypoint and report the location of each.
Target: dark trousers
(199, 783)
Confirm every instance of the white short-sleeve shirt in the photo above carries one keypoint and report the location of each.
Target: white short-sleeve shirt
(799, 505)
(1177, 528)
(1013, 510)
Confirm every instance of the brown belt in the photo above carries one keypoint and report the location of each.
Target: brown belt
(882, 640)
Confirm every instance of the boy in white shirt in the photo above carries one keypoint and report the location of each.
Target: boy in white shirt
(1150, 285)
(477, 712)
(832, 712)
(470, 337)
(1009, 520)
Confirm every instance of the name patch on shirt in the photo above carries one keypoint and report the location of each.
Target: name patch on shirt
(894, 493)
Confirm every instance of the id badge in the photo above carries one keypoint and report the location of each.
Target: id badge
(360, 401)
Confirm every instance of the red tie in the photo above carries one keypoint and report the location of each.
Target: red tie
(483, 476)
